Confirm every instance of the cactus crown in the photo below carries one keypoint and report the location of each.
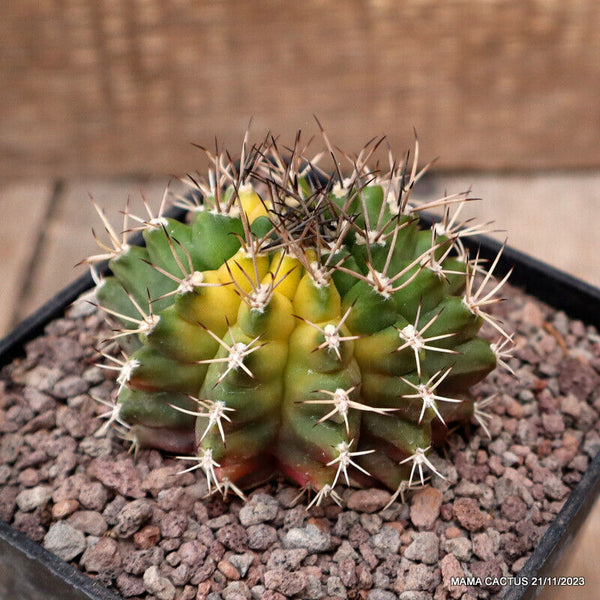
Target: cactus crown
(299, 323)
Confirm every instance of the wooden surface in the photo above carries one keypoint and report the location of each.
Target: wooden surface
(24, 208)
(551, 216)
(49, 231)
(124, 86)
(580, 560)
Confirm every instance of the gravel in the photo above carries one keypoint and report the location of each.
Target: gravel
(386, 542)
(424, 548)
(160, 586)
(368, 501)
(33, 498)
(309, 537)
(132, 516)
(102, 557)
(425, 507)
(139, 526)
(259, 509)
(64, 540)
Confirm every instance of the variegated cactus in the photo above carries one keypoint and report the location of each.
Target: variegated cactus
(300, 323)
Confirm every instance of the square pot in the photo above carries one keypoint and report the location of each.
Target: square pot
(29, 571)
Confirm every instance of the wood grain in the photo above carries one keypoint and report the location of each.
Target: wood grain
(579, 560)
(68, 235)
(23, 207)
(551, 216)
(123, 86)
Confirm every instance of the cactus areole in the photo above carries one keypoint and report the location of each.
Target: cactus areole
(300, 323)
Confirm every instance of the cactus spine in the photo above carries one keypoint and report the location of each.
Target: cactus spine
(301, 324)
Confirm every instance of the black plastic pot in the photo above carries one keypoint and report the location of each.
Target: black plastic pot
(28, 571)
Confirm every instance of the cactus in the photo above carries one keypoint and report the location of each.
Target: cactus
(300, 323)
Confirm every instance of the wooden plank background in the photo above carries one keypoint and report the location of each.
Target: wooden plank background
(123, 86)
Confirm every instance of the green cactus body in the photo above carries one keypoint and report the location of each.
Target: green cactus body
(306, 328)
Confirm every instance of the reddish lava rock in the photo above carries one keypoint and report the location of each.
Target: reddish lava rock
(452, 571)
(513, 508)
(368, 501)
(578, 378)
(146, 537)
(425, 507)
(467, 513)
(120, 475)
